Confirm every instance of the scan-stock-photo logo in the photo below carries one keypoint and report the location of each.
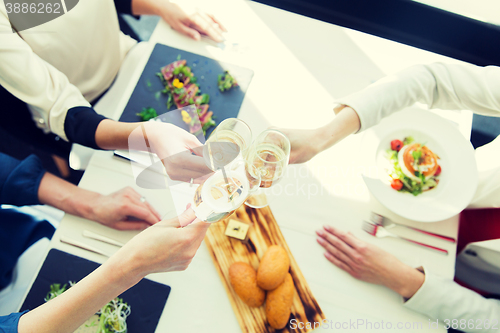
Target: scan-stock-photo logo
(26, 14)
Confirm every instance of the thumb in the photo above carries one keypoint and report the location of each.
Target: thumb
(184, 29)
(196, 149)
(182, 220)
(197, 229)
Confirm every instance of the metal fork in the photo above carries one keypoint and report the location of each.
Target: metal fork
(386, 223)
(380, 232)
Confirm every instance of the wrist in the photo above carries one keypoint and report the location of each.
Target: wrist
(129, 263)
(325, 137)
(406, 281)
(126, 271)
(86, 204)
(345, 123)
(145, 7)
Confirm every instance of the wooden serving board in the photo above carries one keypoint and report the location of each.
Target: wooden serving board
(264, 231)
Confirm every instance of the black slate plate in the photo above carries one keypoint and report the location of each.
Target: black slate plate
(147, 92)
(147, 298)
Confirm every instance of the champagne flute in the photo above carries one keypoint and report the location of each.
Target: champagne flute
(226, 190)
(269, 154)
(228, 141)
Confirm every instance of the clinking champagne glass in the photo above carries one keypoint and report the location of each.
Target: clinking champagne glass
(269, 154)
(233, 180)
(228, 142)
(226, 190)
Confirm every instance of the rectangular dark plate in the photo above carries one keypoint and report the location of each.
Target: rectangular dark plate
(147, 298)
(147, 92)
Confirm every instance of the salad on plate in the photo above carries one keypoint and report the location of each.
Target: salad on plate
(414, 168)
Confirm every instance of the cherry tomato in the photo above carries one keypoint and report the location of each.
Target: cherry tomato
(438, 171)
(396, 145)
(397, 184)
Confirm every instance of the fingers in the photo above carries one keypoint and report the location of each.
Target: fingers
(186, 161)
(197, 150)
(331, 258)
(195, 145)
(184, 219)
(130, 225)
(153, 210)
(337, 253)
(187, 217)
(136, 198)
(217, 21)
(190, 32)
(204, 24)
(186, 175)
(338, 244)
(346, 237)
(196, 231)
(141, 213)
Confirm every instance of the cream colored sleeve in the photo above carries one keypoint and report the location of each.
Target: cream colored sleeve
(46, 90)
(439, 85)
(445, 300)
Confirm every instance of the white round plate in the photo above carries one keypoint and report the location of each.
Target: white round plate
(458, 179)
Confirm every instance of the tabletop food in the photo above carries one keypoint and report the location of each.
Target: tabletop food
(226, 81)
(112, 316)
(273, 268)
(147, 114)
(263, 233)
(279, 302)
(414, 167)
(272, 276)
(182, 89)
(244, 281)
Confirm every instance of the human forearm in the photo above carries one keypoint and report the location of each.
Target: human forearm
(113, 134)
(70, 310)
(444, 299)
(369, 263)
(439, 85)
(113, 210)
(406, 282)
(162, 247)
(58, 193)
(308, 143)
(346, 122)
(147, 7)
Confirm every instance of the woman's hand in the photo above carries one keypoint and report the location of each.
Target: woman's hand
(169, 245)
(123, 210)
(192, 24)
(162, 247)
(369, 263)
(304, 144)
(308, 143)
(180, 151)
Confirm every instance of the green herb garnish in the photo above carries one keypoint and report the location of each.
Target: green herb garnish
(226, 81)
(147, 113)
(112, 316)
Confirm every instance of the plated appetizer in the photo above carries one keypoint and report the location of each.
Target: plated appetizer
(111, 318)
(414, 167)
(226, 81)
(183, 90)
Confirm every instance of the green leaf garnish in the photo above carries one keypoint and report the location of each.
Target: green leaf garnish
(147, 113)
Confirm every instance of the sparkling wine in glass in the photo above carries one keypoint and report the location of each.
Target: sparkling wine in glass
(269, 154)
(228, 141)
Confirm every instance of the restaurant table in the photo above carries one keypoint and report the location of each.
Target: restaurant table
(300, 66)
